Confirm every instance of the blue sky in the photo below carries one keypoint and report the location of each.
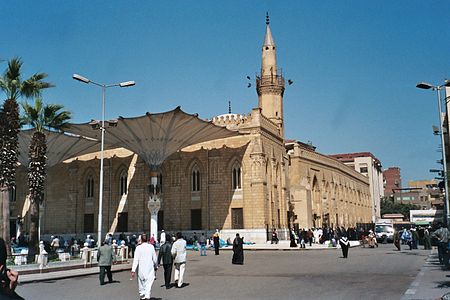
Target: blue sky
(354, 64)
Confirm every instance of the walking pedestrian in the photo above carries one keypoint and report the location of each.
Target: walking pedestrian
(179, 254)
(165, 254)
(162, 239)
(152, 240)
(146, 262)
(442, 234)
(407, 237)
(216, 242)
(202, 243)
(304, 238)
(105, 257)
(109, 238)
(310, 236)
(345, 244)
(238, 251)
(133, 242)
(415, 238)
(397, 239)
(426, 239)
(292, 238)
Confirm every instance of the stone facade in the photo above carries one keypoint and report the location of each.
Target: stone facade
(370, 166)
(325, 192)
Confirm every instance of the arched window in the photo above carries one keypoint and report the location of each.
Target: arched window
(195, 179)
(123, 188)
(90, 187)
(236, 177)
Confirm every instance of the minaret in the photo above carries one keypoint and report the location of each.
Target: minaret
(270, 83)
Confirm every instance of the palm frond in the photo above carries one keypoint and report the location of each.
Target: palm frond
(31, 114)
(12, 73)
(33, 86)
(48, 116)
(60, 121)
(10, 82)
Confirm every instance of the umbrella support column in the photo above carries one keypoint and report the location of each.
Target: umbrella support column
(154, 203)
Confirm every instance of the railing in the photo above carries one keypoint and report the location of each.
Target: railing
(267, 80)
(87, 255)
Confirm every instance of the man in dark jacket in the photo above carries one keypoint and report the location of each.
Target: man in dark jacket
(105, 257)
(166, 256)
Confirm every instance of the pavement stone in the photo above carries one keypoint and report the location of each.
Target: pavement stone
(61, 270)
(380, 273)
(431, 283)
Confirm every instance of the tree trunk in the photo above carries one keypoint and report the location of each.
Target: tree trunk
(5, 217)
(2, 196)
(36, 181)
(4, 229)
(9, 130)
(34, 225)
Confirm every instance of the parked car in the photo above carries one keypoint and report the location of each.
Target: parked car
(384, 231)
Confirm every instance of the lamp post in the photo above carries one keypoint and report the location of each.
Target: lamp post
(438, 88)
(102, 128)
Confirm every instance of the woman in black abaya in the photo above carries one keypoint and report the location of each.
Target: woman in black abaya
(238, 251)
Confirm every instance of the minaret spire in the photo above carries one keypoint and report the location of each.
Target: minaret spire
(268, 39)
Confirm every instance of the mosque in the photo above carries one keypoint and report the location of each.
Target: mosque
(250, 183)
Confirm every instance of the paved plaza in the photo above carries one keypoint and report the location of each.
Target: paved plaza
(379, 273)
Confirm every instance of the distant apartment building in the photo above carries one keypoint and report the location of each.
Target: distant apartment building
(392, 180)
(367, 164)
(416, 196)
(429, 194)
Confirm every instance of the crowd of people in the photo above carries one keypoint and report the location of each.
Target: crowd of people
(301, 237)
(172, 250)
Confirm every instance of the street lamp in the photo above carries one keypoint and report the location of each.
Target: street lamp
(102, 128)
(438, 88)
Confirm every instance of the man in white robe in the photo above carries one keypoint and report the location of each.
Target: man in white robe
(146, 261)
(179, 254)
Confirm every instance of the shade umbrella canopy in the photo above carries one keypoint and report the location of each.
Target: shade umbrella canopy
(154, 137)
(60, 146)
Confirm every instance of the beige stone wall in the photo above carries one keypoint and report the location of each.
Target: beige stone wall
(262, 196)
(315, 184)
(326, 192)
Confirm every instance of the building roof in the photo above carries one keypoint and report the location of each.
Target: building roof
(289, 145)
(348, 157)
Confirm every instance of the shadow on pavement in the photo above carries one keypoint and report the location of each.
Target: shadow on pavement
(443, 284)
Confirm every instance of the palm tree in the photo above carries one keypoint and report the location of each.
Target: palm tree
(40, 117)
(14, 87)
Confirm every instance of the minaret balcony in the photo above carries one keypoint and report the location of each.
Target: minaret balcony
(269, 80)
